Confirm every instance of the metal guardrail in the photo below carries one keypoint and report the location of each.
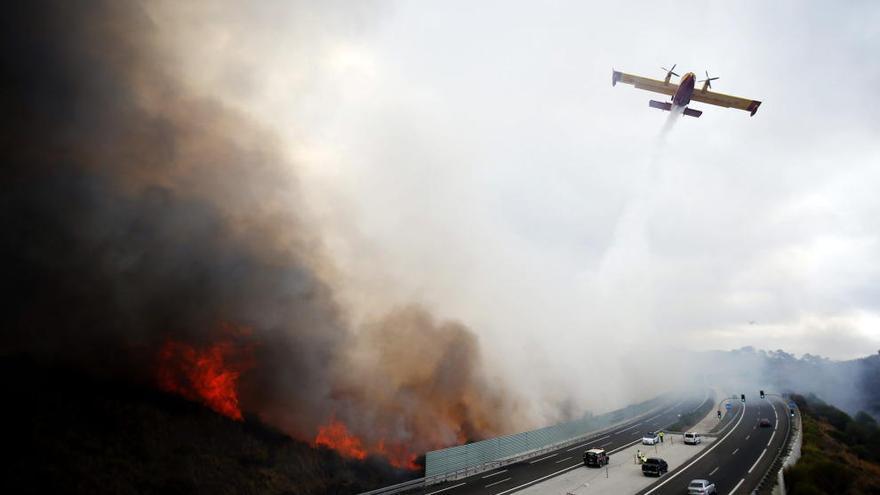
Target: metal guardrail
(769, 480)
(398, 488)
(464, 460)
(793, 453)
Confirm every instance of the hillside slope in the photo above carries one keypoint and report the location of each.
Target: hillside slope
(72, 434)
(839, 453)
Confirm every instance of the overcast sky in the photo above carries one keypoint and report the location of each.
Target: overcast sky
(473, 156)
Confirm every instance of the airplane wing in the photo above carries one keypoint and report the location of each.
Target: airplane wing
(726, 101)
(645, 83)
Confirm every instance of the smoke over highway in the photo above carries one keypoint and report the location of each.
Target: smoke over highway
(155, 234)
(383, 238)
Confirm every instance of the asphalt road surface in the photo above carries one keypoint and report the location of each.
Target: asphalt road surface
(514, 477)
(738, 460)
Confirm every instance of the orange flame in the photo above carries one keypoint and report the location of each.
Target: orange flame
(336, 436)
(208, 375)
(398, 456)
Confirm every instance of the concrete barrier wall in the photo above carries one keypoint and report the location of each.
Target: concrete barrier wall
(792, 457)
(465, 460)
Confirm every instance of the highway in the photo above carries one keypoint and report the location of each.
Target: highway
(514, 477)
(741, 456)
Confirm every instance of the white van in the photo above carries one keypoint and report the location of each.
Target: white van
(692, 438)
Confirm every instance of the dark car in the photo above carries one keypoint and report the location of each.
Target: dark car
(596, 457)
(765, 423)
(654, 466)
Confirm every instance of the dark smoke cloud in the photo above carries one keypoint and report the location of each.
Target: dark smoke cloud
(135, 212)
(411, 367)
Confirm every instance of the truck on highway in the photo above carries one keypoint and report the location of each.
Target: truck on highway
(596, 458)
(654, 466)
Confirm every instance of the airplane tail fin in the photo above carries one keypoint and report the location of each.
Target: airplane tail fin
(661, 105)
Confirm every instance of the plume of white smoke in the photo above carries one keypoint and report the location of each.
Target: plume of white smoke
(671, 119)
(628, 271)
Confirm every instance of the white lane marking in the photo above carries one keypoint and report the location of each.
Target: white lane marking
(735, 451)
(497, 482)
(533, 482)
(579, 464)
(447, 488)
(737, 486)
(588, 443)
(627, 429)
(672, 476)
(775, 425)
(538, 480)
(771, 438)
(493, 474)
(759, 460)
(748, 436)
(657, 416)
(562, 460)
(606, 444)
(544, 458)
(618, 449)
(713, 471)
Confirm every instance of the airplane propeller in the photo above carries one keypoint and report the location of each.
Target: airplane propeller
(708, 80)
(670, 72)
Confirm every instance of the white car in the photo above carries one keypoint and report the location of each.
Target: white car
(651, 439)
(701, 487)
(692, 438)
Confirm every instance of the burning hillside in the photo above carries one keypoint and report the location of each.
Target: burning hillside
(204, 375)
(98, 435)
(143, 222)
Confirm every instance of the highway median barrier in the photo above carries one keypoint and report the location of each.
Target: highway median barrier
(466, 460)
(462, 461)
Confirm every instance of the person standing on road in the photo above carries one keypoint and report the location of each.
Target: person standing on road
(661, 437)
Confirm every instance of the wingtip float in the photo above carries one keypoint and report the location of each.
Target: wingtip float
(684, 92)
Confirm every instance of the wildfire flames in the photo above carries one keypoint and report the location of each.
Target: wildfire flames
(208, 375)
(335, 435)
(197, 203)
(398, 456)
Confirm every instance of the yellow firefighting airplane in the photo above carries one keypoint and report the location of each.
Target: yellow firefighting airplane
(683, 92)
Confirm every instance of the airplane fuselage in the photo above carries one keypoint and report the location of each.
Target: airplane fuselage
(685, 90)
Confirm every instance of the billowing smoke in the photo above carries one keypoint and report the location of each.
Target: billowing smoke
(674, 114)
(152, 233)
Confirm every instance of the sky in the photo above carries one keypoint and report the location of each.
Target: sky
(473, 157)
